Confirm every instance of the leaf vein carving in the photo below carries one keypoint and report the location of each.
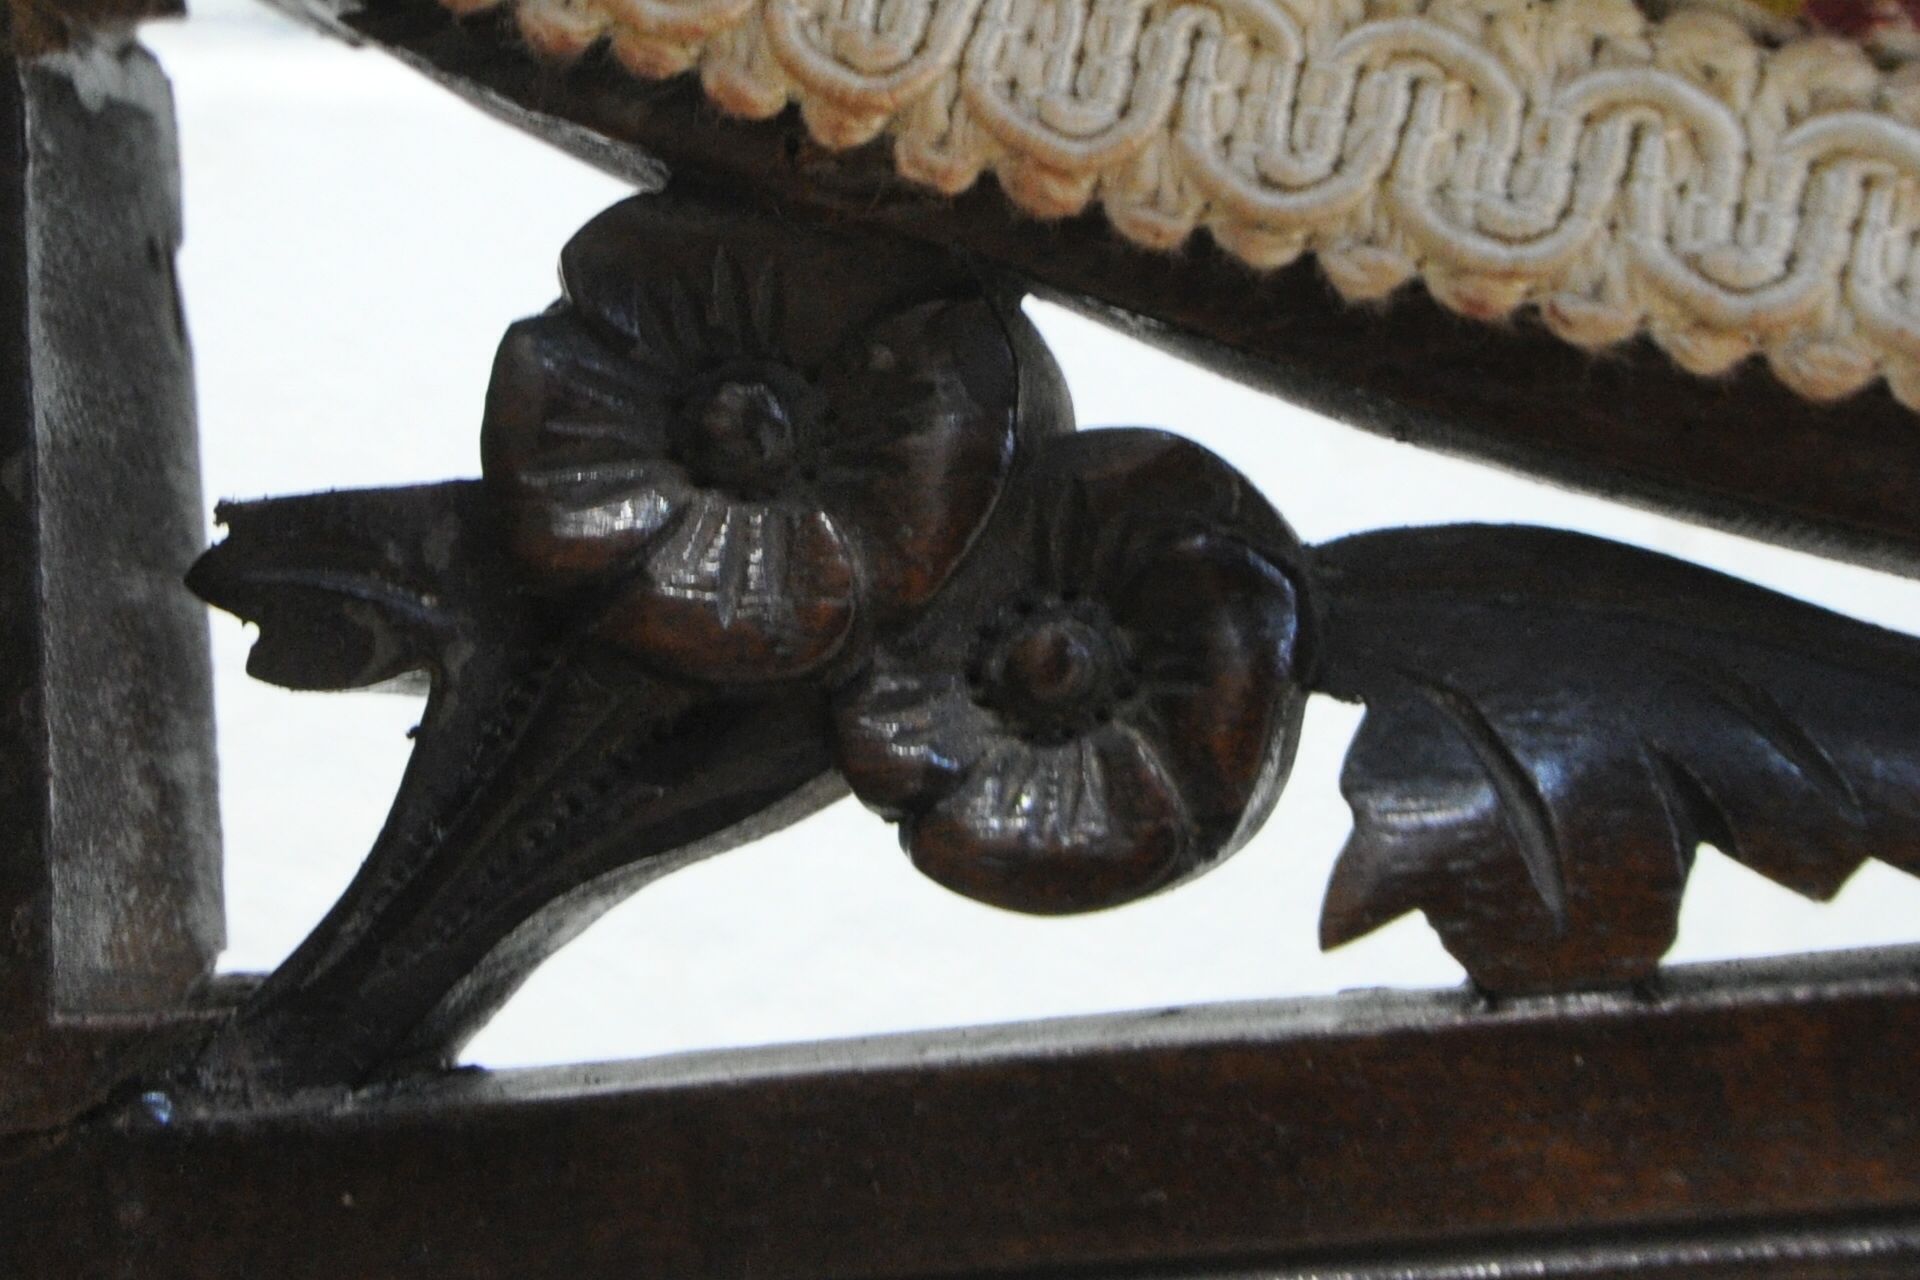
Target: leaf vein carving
(1524, 810)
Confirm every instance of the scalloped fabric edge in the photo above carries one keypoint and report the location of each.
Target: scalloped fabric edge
(1694, 178)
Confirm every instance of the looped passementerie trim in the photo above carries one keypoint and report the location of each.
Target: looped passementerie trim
(1623, 175)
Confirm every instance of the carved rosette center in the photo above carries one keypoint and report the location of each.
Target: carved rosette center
(749, 428)
(1054, 669)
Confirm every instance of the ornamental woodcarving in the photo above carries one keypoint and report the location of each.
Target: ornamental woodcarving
(770, 511)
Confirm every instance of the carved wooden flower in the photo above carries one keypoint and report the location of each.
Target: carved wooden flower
(1108, 713)
(741, 442)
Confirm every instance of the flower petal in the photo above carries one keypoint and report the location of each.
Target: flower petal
(1055, 829)
(1119, 487)
(574, 523)
(672, 274)
(571, 447)
(905, 737)
(1215, 629)
(559, 393)
(923, 421)
(738, 591)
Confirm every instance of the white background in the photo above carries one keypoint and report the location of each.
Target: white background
(356, 242)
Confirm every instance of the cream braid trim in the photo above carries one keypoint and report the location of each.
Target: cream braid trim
(1624, 175)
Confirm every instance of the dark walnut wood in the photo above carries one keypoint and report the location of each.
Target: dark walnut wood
(1109, 703)
(734, 454)
(767, 507)
(1554, 724)
(553, 775)
(1069, 665)
(743, 446)
(1740, 452)
(1757, 1123)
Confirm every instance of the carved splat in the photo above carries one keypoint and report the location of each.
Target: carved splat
(765, 509)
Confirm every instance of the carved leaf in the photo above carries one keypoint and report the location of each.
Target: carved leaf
(1555, 723)
(361, 589)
